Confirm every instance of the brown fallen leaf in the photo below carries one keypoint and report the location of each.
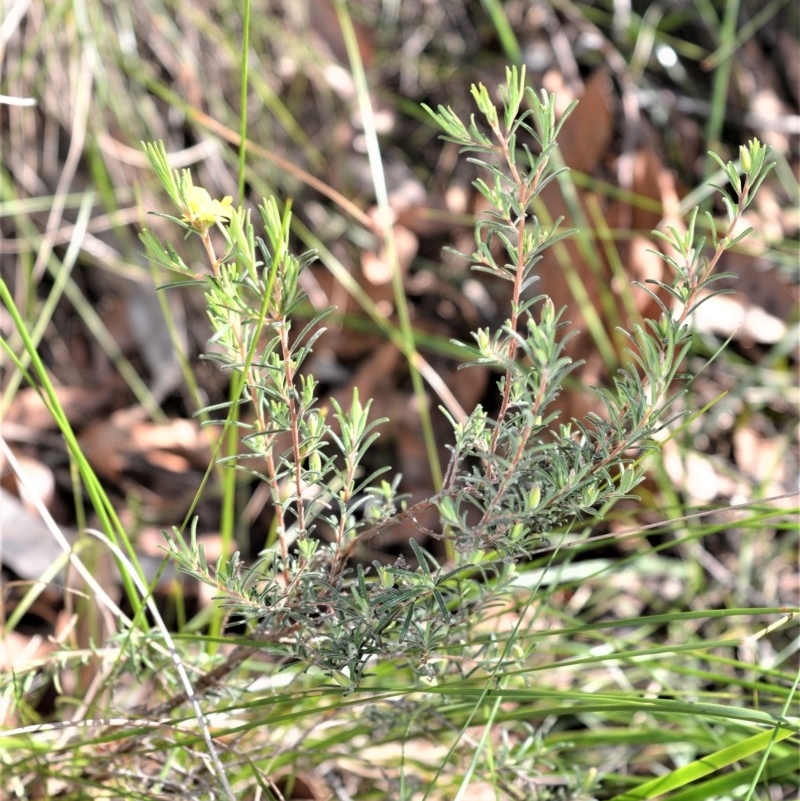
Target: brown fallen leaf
(127, 438)
(80, 404)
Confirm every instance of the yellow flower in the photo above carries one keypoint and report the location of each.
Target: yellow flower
(202, 211)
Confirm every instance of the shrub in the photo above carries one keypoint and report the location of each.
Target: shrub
(514, 478)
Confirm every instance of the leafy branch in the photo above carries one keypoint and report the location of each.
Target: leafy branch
(534, 475)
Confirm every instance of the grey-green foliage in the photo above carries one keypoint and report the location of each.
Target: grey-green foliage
(512, 479)
(519, 475)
